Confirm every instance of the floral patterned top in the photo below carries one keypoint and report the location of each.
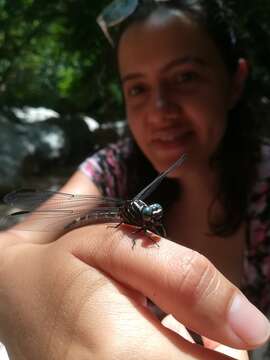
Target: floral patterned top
(107, 170)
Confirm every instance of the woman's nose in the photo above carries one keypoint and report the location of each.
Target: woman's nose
(163, 103)
(160, 99)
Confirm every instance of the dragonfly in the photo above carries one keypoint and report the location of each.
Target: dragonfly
(54, 211)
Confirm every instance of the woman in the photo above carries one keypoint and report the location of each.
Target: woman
(182, 87)
(185, 93)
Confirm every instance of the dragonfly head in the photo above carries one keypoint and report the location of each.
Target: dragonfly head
(152, 213)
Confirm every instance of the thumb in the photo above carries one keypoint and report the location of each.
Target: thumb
(178, 280)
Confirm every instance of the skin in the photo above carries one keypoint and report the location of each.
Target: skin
(178, 85)
(82, 295)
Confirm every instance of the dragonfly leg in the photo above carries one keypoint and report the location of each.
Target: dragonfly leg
(159, 229)
(146, 233)
(136, 232)
(115, 226)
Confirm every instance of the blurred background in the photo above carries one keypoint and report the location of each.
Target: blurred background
(59, 94)
(59, 98)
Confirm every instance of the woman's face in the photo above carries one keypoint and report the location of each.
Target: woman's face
(177, 89)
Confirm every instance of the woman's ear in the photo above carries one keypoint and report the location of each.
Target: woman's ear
(238, 82)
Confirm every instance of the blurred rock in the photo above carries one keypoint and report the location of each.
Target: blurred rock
(34, 144)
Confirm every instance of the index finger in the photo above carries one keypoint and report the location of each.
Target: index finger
(179, 280)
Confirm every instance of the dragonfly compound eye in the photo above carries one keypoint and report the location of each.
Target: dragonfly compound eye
(152, 212)
(157, 211)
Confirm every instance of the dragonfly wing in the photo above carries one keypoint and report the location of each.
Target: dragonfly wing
(37, 220)
(53, 211)
(28, 199)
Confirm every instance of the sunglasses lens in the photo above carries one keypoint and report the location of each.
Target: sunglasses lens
(118, 11)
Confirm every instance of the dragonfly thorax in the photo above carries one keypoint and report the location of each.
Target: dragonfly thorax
(137, 212)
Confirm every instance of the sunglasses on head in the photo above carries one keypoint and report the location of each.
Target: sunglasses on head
(115, 13)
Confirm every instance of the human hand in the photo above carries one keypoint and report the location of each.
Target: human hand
(83, 296)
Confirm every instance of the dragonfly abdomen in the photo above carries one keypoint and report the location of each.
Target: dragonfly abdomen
(94, 217)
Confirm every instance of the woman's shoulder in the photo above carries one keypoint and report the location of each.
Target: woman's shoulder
(107, 167)
(116, 151)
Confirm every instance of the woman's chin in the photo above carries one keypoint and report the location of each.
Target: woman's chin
(162, 160)
(162, 164)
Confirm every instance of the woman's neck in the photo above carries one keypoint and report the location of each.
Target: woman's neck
(198, 182)
(187, 223)
(191, 209)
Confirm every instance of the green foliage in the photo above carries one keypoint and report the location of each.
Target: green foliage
(53, 54)
(50, 55)
(254, 23)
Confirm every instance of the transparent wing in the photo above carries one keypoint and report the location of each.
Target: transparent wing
(54, 211)
(154, 184)
(29, 199)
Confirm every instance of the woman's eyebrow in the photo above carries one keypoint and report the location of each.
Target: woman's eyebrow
(183, 61)
(175, 62)
(131, 76)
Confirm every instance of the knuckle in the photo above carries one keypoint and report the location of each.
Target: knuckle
(199, 280)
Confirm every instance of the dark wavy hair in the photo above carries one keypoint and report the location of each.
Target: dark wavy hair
(239, 151)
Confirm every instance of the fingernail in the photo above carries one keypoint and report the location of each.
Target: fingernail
(247, 322)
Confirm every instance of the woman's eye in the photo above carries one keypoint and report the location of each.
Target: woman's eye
(185, 77)
(136, 90)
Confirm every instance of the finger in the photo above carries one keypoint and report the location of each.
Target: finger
(180, 281)
(171, 323)
(233, 353)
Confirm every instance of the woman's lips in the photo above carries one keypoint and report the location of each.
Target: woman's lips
(171, 140)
